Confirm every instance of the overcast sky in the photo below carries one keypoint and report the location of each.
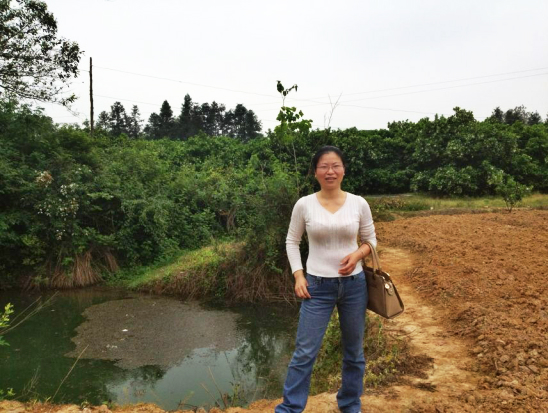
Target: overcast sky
(387, 60)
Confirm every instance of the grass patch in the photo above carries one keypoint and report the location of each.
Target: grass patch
(385, 354)
(226, 270)
(191, 274)
(387, 207)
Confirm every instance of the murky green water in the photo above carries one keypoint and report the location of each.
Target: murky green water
(137, 348)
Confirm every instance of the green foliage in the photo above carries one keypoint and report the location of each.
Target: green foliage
(5, 322)
(205, 119)
(35, 63)
(291, 121)
(511, 191)
(7, 393)
(267, 211)
(118, 122)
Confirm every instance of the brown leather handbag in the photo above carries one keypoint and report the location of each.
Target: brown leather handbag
(383, 295)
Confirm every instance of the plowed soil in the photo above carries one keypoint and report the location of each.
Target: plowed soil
(476, 293)
(487, 275)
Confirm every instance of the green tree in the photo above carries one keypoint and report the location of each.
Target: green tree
(134, 122)
(512, 116)
(161, 125)
(186, 123)
(34, 62)
(216, 118)
(241, 123)
(4, 324)
(103, 121)
(118, 120)
(497, 115)
(511, 191)
(534, 118)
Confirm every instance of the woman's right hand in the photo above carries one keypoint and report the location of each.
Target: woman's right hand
(300, 285)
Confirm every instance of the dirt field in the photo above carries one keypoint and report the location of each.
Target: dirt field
(488, 274)
(476, 295)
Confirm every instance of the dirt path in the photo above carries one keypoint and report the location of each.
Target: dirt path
(450, 378)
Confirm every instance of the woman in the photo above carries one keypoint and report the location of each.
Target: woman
(332, 219)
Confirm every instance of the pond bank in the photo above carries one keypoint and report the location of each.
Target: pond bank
(220, 271)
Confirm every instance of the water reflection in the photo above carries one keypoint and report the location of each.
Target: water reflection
(191, 354)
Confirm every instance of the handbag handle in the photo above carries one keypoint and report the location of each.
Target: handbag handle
(374, 257)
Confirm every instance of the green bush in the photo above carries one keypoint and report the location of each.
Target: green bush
(512, 192)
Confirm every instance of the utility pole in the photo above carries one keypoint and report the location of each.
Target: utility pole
(91, 94)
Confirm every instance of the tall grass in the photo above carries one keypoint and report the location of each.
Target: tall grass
(217, 271)
(384, 352)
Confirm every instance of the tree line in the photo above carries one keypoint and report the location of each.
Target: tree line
(74, 204)
(211, 119)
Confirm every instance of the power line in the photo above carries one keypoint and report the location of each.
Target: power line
(438, 83)
(394, 110)
(127, 100)
(323, 97)
(345, 103)
(414, 92)
(134, 101)
(448, 87)
(414, 86)
(319, 104)
(184, 82)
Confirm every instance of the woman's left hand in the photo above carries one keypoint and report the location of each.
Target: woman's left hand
(348, 263)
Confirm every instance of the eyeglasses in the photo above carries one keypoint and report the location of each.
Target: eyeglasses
(325, 168)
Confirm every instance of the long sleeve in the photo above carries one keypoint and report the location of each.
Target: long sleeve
(367, 228)
(294, 236)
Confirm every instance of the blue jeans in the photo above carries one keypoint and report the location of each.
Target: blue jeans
(349, 294)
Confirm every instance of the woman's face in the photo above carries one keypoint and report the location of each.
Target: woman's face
(330, 171)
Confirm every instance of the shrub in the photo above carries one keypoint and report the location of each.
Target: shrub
(512, 192)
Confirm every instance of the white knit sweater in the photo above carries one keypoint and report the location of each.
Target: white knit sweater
(331, 237)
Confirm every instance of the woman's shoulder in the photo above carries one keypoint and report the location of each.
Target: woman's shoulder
(356, 198)
(305, 200)
(360, 203)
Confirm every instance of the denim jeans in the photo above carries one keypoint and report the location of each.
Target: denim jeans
(349, 294)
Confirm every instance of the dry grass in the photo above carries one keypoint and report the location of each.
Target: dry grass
(84, 269)
(247, 284)
(225, 270)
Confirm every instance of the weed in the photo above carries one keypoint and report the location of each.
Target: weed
(8, 393)
(383, 353)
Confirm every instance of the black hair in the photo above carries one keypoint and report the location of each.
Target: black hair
(322, 151)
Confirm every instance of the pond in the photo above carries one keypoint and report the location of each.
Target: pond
(125, 347)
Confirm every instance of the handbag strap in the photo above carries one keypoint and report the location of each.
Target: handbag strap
(374, 257)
